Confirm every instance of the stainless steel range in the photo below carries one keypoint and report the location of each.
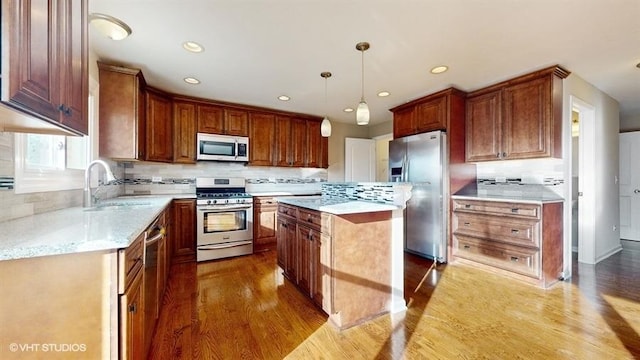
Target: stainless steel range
(224, 218)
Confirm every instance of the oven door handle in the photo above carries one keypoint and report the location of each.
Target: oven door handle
(224, 246)
(221, 209)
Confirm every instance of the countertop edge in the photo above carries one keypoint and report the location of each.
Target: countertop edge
(507, 199)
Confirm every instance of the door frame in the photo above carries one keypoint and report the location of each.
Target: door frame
(586, 185)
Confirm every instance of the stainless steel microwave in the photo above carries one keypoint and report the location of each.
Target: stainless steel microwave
(222, 147)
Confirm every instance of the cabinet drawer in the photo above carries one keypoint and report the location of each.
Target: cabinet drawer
(264, 201)
(522, 260)
(129, 263)
(287, 210)
(515, 231)
(531, 211)
(309, 217)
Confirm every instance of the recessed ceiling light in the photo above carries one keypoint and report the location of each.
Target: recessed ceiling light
(192, 46)
(191, 80)
(284, 98)
(348, 110)
(384, 93)
(439, 69)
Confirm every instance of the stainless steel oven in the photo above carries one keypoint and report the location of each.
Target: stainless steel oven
(224, 218)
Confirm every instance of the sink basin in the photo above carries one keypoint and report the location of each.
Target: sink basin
(119, 205)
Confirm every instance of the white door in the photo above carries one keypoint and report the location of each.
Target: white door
(629, 186)
(359, 160)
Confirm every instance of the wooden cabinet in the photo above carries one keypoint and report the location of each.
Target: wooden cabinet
(299, 240)
(291, 137)
(138, 122)
(516, 119)
(45, 44)
(317, 146)
(265, 209)
(183, 230)
(438, 111)
(122, 113)
(221, 120)
(184, 132)
(262, 134)
(523, 239)
(131, 290)
(159, 127)
(287, 241)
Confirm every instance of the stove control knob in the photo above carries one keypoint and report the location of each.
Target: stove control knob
(226, 201)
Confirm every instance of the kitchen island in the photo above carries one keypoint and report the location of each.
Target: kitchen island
(69, 276)
(346, 254)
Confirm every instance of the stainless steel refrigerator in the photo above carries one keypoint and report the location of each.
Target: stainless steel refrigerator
(422, 160)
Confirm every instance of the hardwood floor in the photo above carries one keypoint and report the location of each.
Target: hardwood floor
(242, 308)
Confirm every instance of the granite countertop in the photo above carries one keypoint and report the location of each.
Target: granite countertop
(515, 197)
(113, 224)
(337, 206)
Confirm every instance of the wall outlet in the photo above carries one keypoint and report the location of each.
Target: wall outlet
(615, 228)
(156, 178)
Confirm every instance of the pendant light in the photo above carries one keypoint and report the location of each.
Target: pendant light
(325, 126)
(362, 112)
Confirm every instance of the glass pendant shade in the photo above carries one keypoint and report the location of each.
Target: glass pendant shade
(362, 113)
(325, 127)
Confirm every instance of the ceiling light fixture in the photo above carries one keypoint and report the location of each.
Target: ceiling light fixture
(325, 126)
(284, 98)
(362, 112)
(113, 28)
(384, 93)
(439, 69)
(192, 46)
(191, 80)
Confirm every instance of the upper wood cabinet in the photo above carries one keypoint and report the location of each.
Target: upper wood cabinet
(291, 137)
(517, 119)
(314, 145)
(184, 132)
(262, 134)
(159, 127)
(220, 120)
(429, 113)
(138, 122)
(45, 57)
(122, 120)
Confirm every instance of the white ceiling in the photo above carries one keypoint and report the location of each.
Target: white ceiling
(256, 50)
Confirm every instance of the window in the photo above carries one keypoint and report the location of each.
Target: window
(53, 162)
(49, 162)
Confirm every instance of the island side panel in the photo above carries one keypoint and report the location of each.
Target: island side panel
(55, 307)
(360, 267)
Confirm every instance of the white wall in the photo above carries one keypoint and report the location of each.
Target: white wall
(607, 126)
(630, 123)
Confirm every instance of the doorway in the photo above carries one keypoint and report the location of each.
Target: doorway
(582, 200)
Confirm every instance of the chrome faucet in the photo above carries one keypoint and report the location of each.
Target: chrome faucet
(88, 199)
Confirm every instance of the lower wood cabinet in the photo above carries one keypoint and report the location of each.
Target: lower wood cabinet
(183, 231)
(264, 223)
(132, 310)
(519, 239)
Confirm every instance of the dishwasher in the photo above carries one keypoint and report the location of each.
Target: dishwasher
(155, 234)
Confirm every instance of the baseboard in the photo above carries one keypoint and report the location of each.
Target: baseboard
(615, 250)
(630, 244)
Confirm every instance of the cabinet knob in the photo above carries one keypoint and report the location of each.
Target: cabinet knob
(504, 155)
(498, 155)
(132, 308)
(466, 246)
(636, 191)
(467, 224)
(515, 258)
(514, 210)
(515, 231)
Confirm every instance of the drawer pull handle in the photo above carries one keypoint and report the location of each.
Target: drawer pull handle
(467, 247)
(515, 258)
(514, 210)
(515, 231)
(467, 224)
(467, 206)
